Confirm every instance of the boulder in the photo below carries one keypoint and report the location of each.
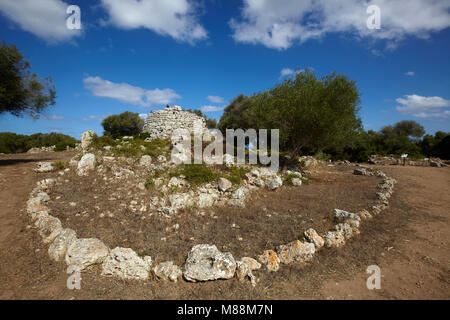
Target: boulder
(243, 271)
(205, 262)
(360, 172)
(251, 263)
(312, 236)
(206, 199)
(224, 184)
(125, 264)
(180, 201)
(58, 248)
(270, 259)
(239, 194)
(145, 161)
(296, 251)
(167, 270)
(334, 239)
(85, 252)
(86, 163)
(43, 167)
(86, 139)
(274, 183)
(49, 227)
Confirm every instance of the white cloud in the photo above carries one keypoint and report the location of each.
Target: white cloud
(43, 18)
(175, 18)
(279, 24)
(129, 94)
(53, 117)
(215, 99)
(143, 116)
(95, 117)
(211, 108)
(289, 72)
(424, 107)
(410, 73)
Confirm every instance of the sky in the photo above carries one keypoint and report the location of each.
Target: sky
(139, 55)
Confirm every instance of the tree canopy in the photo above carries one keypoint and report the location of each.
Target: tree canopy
(20, 90)
(124, 124)
(312, 114)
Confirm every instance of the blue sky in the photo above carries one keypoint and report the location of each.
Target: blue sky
(141, 55)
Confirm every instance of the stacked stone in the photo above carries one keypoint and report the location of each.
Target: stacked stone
(160, 124)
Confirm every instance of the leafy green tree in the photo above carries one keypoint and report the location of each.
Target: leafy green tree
(20, 90)
(312, 114)
(124, 124)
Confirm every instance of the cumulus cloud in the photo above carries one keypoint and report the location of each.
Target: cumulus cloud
(174, 18)
(424, 107)
(129, 94)
(143, 116)
(211, 108)
(215, 99)
(410, 73)
(43, 18)
(279, 24)
(285, 72)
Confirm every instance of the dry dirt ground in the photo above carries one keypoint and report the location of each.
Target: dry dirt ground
(409, 242)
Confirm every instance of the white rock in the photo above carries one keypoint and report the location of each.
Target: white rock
(251, 263)
(312, 236)
(206, 199)
(85, 252)
(274, 183)
(58, 248)
(224, 184)
(86, 163)
(228, 159)
(43, 167)
(205, 262)
(180, 200)
(49, 227)
(125, 264)
(296, 182)
(145, 161)
(239, 194)
(167, 270)
(86, 139)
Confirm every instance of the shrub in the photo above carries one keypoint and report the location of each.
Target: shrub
(60, 165)
(196, 174)
(124, 124)
(236, 174)
(15, 143)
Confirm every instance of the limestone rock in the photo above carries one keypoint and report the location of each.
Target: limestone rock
(85, 252)
(86, 139)
(312, 236)
(86, 163)
(243, 271)
(49, 227)
(43, 167)
(270, 259)
(180, 200)
(345, 229)
(167, 270)
(251, 263)
(274, 183)
(296, 251)
(228, 159)
(296, 182)
(334, 239)
(364, 214)
(145, 161)
(125, 264)
(205, 262)
(58, 248)
(224, 184)
(206, 199)
(239, 194)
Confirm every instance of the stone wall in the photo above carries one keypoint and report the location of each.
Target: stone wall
(161, 123)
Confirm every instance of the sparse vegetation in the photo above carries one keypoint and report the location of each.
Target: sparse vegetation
(196, 174)
(60, 165)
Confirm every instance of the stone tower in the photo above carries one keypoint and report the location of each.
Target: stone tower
(161, 123)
